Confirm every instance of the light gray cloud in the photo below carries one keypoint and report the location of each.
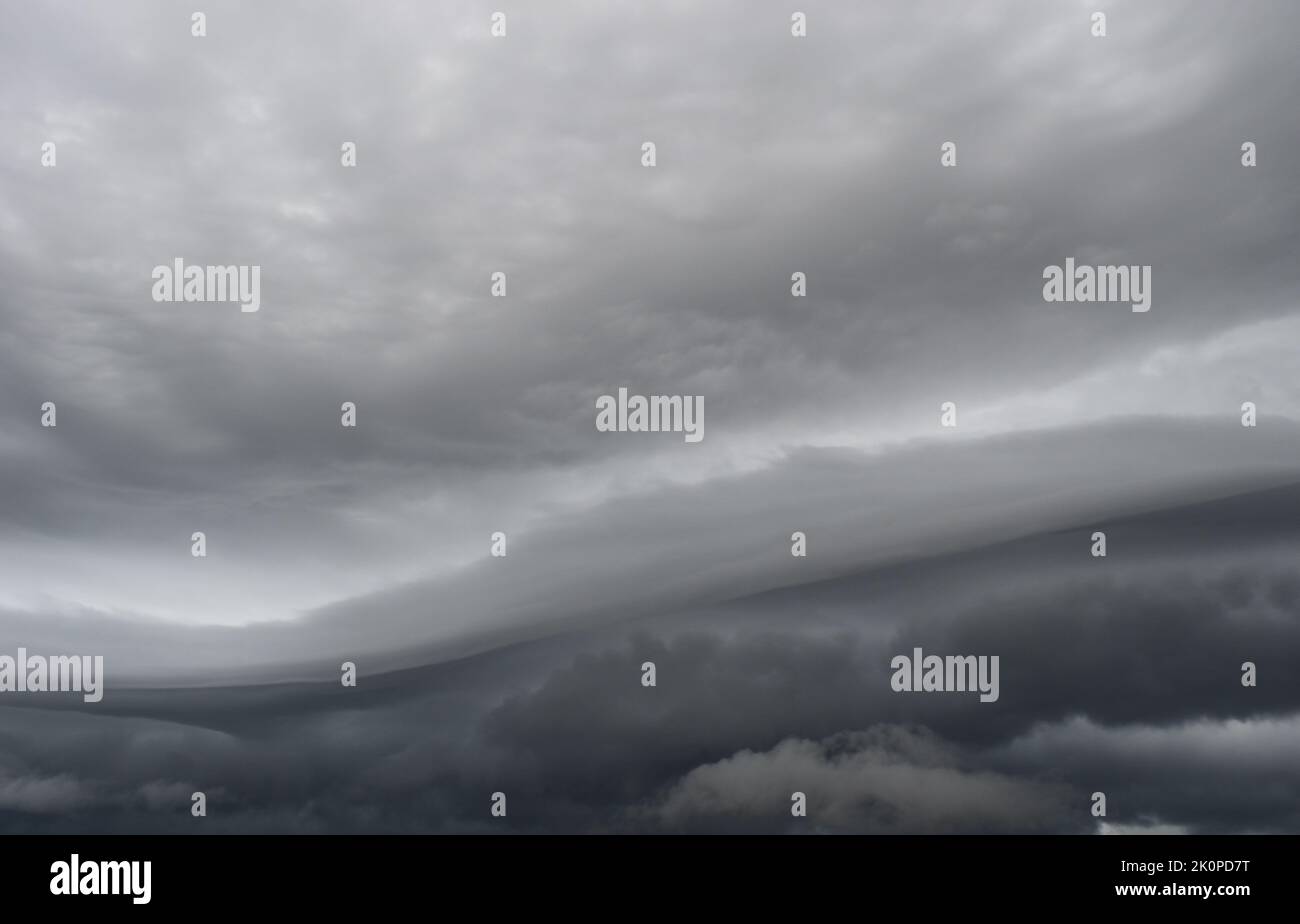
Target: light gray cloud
(479, 155)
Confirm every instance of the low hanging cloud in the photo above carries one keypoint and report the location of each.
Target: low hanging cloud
(885, 780)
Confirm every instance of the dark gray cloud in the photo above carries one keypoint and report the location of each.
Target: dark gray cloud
(1120, 675)
(476, 414)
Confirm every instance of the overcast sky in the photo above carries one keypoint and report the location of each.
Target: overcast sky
(476, 414)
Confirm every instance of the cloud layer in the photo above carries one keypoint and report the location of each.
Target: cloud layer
(475, 414)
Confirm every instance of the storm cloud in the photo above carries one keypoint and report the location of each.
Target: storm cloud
(475, 414)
